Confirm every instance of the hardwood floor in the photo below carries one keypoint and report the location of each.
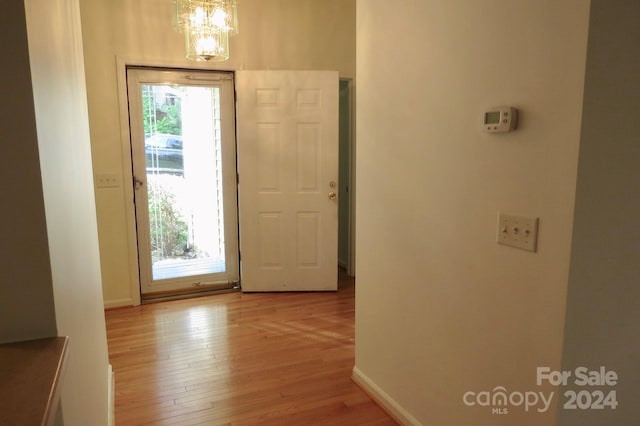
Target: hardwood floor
(235, 359)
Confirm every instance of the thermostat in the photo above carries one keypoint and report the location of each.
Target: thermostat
(500, 119)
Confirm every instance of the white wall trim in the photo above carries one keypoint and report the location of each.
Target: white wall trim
(381, 397)
(123, 103)
(120, 303)
(111, 407)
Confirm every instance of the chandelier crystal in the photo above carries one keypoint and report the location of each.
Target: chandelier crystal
(207, 25)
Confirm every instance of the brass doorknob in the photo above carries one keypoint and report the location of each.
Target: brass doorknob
(332, 195)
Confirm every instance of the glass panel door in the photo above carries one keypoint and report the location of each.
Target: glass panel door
(183, 150)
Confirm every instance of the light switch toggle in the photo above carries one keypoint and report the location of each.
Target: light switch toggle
(107, 180)
(518, 231)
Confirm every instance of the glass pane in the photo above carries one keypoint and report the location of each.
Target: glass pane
(184, 176)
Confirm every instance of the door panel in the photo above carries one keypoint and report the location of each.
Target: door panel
(183, 151)
(288, 167)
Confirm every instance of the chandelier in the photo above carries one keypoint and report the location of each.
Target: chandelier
(207, 25)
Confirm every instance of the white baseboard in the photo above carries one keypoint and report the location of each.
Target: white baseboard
(118, 303)
(111, 392)
(381, 397)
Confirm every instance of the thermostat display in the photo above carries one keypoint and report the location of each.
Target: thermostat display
(500, 119)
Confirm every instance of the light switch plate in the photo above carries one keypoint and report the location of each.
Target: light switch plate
(518, 231)
(107, 181)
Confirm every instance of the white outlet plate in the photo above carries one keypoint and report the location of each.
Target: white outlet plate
(518, 231)
(107, 181)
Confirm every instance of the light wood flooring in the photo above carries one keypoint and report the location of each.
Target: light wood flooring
(236, 359)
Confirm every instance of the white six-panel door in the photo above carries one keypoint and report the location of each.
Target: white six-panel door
(288, 179)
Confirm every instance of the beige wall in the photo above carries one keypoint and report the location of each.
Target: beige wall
(603, 304)
(26, 297)
(274, 34)
(55, 49)
(49, 269)
(441, 309)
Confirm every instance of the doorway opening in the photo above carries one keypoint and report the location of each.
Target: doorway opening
(178, 258)
(346, 217)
